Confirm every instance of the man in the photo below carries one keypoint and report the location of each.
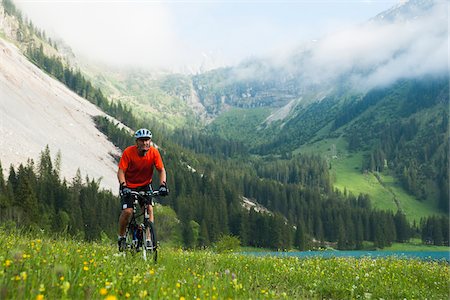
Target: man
(135, 173)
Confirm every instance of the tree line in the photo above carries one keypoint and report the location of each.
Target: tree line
(35, 196)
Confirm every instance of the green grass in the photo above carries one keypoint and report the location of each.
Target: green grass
(346, 170)
(241, 125)
(42, 268)
(347, 175)
(415, 245)
(413, 208)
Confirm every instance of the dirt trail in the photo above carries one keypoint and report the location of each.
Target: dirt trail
(394, 197)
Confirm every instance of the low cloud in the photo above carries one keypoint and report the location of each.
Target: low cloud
(375, 53)
(378, 53)
(142, 34)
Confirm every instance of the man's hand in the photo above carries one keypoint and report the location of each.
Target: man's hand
(124, 190)
(163, 190)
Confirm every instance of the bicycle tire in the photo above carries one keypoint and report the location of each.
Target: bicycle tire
(154, 242)
(153, 251)
(132, 245)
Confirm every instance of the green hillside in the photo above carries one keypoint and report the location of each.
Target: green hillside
(241, 125)
(385, 190)
(389, 143)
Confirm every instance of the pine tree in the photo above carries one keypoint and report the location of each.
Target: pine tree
(2, 181)
(28, 202)
(203, 238)
(300, 240)
(403, 230)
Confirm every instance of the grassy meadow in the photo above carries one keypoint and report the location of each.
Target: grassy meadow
(346, 173)
(58, 268)
(348, 176)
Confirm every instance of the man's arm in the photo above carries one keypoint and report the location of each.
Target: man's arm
(162, 176)
(121, 177)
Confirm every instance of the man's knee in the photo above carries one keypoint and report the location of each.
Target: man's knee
(126, 212)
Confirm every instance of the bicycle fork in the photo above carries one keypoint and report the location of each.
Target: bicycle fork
(147, 225)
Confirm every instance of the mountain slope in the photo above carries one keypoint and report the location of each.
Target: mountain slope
(36, 110)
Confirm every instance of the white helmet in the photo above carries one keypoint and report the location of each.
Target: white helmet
(143, 133)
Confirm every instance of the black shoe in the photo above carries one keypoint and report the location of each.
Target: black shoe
(122, 244)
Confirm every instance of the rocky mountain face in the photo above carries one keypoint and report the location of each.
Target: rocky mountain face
(37, 111)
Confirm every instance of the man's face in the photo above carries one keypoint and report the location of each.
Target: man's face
(143, 144)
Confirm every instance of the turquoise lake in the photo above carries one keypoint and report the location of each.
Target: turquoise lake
(425, 255)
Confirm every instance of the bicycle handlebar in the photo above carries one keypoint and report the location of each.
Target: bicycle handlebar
(143, 194)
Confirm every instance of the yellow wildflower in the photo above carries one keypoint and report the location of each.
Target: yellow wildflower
(23, 275)
(142, 294)
(65, 286)
(40, 297)
(103, 291)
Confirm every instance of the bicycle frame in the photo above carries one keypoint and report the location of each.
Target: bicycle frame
(137, 233)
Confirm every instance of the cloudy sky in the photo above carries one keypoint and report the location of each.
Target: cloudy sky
(176, 34)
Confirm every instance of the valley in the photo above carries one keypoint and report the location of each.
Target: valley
(340, 157)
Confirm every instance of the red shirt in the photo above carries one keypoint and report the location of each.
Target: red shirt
(139, 169)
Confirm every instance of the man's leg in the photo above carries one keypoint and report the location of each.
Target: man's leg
(124, 219)
(123, 222)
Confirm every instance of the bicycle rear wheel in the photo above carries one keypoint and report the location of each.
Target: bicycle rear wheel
(132, 243)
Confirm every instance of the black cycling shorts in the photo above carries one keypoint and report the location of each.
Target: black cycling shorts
(127, 201)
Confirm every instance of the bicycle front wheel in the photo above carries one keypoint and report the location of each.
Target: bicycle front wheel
(151, 248)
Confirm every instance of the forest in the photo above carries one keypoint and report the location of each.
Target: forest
(209, 206)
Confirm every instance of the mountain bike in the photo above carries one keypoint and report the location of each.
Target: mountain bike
(140, 235)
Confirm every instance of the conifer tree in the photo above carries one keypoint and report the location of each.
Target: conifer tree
(203, 238)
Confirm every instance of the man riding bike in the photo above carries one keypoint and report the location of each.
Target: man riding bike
(135, 174)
